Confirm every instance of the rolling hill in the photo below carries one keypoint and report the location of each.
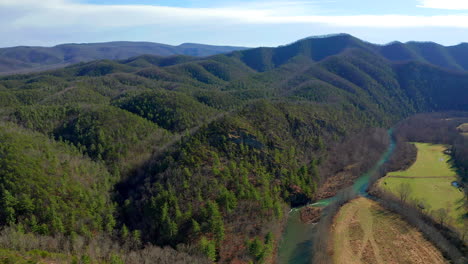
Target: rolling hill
(205, 151)
(27, 59)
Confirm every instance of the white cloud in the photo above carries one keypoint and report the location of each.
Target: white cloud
(62, 13)
(445, 4)
(56, 18)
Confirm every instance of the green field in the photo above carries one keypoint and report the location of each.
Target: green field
(429, 180)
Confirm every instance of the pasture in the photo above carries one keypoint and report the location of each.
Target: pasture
(428, 184)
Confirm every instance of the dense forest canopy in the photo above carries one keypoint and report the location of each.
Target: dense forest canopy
(207, 154)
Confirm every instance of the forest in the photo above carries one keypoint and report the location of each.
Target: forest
(198, 160)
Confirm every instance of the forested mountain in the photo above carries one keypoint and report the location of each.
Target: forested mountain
(207, 154)
(318, 48)
(27, 59)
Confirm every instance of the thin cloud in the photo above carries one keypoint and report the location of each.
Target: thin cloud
(61, 13)
(56, 21)
(444, 4)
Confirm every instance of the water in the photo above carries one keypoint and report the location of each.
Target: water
(296, 243)
(297, 240)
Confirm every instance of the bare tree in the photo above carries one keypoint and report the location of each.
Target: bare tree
(464, 232)
(441, 215)
(404, 191)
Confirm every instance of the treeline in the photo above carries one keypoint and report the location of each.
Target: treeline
(404, 155)
(118, 249)
(439, 128)
(447, 241)
(349, 158)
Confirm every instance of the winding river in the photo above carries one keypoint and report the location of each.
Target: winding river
(296, 244)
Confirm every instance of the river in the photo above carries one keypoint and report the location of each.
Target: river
(296, 244)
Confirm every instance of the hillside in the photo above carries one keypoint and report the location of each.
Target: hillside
(206, 155)
(28, 59)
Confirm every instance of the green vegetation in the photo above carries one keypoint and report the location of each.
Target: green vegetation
(167, 109)
(202, 155)
(24, 59)
(261, 250)
(49, 188)
(431, 161)
(32, 256)
(427, 183)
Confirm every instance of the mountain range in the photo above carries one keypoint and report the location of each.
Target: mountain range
(26, 59)
(204, 154)
(318, 48)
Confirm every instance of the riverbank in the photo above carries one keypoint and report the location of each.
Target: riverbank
(300, 239)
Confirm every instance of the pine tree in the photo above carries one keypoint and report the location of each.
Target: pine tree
(215, 221)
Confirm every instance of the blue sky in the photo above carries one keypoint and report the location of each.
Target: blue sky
(330, 7)
(245, 23)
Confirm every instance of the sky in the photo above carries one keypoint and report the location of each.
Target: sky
(249, 23)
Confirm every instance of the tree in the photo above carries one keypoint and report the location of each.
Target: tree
(124, 233)
(195, 227)
(256, 248)
(404, 191)
(215, 221)
(227, 200)
(208, 248)
(7, 211)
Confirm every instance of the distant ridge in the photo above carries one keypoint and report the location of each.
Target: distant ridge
(23, 59)
(320, 47)
(316, 48)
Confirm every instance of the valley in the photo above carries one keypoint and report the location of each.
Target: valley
(199, 159)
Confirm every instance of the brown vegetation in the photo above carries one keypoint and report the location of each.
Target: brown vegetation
(348, 159)
(99, 248)
(364, 232)
(310, 214)
(445, 239)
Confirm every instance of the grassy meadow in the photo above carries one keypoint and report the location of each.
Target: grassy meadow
(428, 184)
